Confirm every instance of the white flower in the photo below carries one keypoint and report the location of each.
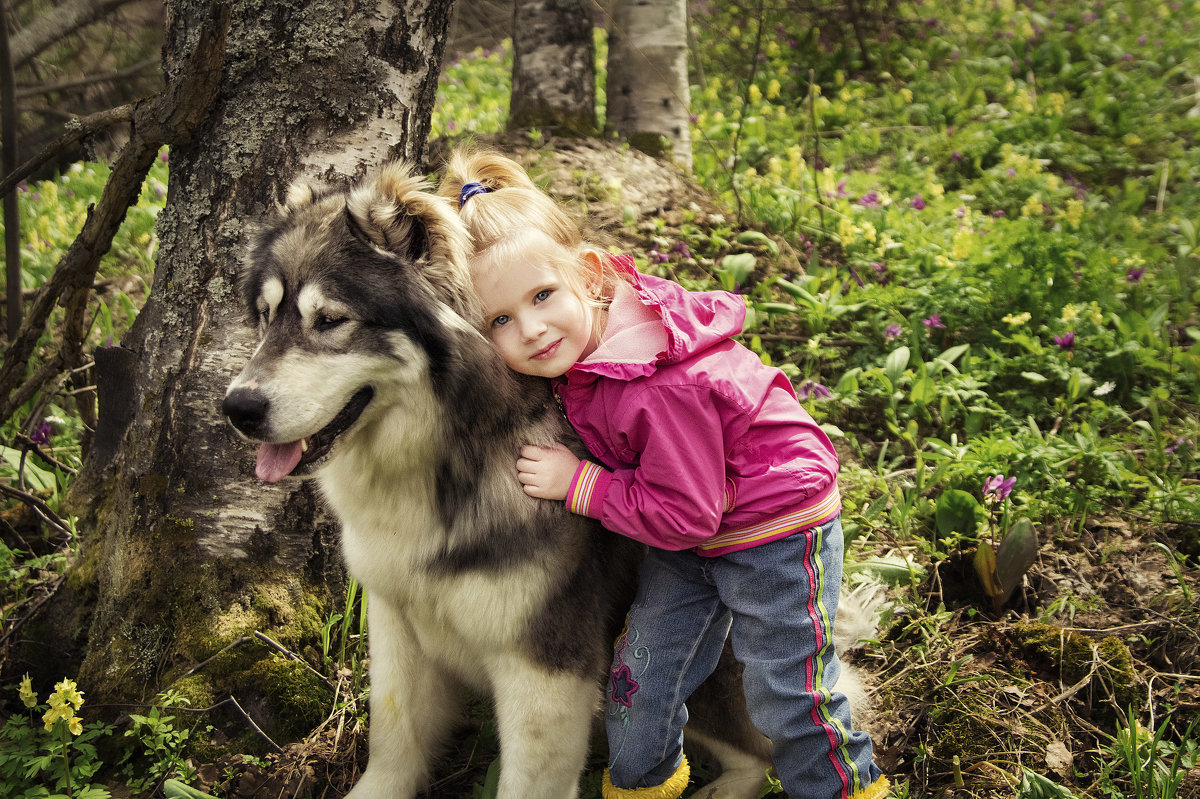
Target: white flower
(1104, 388)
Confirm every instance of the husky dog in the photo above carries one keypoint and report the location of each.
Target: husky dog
(372, 376)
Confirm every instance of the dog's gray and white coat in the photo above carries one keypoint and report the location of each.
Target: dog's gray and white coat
(371, 375)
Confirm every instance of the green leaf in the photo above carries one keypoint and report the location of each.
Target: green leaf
(1018, 551)
(174, 789)
(897, 362)
(956, 512)
(924, 390)
(755, 239)
(985, 567)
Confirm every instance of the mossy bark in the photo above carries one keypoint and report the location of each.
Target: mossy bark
(182, 550)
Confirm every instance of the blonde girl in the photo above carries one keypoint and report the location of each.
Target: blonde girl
(699, 451)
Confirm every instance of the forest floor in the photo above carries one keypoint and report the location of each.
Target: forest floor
(965, 701)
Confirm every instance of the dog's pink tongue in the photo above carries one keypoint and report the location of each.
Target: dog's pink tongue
(276, 461)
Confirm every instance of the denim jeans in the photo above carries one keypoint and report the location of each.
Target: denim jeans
(779, 601)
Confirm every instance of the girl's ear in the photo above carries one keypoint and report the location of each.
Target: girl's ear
(594, 269)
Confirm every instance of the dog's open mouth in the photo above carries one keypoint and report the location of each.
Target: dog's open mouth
(276, 461)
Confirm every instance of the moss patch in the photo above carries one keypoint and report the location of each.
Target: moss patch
(1078, 657)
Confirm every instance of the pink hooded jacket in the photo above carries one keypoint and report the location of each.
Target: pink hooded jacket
(702, 445)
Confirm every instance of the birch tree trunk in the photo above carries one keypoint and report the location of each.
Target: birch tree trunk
(183, 550)
(647, 89)
(554, 67)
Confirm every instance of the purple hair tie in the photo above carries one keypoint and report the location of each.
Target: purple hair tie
(469, 190)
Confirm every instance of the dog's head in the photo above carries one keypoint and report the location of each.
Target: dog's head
(360, 297)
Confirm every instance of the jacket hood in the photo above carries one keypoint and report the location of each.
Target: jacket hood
(653, 321)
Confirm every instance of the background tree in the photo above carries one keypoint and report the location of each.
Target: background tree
(647, 90)
(554, 73)
(183, 551)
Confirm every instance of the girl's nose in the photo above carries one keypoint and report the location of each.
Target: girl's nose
(532, 328)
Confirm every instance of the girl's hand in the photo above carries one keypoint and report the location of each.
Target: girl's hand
(546, 472)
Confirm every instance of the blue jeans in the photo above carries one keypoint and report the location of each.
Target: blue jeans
(779, 600)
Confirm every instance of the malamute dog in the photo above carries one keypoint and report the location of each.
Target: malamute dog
(371, 375)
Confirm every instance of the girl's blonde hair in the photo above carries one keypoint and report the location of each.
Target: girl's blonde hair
(508, 211)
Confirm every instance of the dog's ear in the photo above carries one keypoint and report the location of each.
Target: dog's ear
(389, 227)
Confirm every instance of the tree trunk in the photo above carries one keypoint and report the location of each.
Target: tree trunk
(648, 95)
(554, 67)
(183, 550)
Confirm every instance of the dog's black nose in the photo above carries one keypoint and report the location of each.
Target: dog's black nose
(247, 410)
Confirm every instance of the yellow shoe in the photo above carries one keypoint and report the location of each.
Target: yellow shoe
(876, 790)
(671, 789)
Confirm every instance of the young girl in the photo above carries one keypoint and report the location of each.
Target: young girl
(701, 452)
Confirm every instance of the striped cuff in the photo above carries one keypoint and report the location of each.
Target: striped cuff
(588, 487)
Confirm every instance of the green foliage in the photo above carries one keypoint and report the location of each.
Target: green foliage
(162, 744)
(1146, 764)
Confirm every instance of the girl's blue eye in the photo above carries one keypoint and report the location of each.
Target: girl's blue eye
(542, 295)
(500, 321)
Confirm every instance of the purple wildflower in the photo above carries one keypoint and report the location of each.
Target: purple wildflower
(657, 257)
(997, 488)
(918, 202)
(956, 156)
(41, 433)
(1134, 275)
(682, 248)
(1066, 341)
(869, 200)
(811, 388)
(892, 332)
(933, 322)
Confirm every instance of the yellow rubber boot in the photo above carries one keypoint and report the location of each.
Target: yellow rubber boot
(671, 789)
(876, 790)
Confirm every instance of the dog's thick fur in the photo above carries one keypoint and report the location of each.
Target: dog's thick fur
(370, 355)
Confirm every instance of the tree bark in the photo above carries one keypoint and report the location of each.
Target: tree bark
(554, 67)
(183, 551)
(647, 90)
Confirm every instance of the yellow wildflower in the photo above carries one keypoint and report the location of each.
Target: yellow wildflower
(1095, 314)
(1074, 213)
(26, 692)
(773, 89)
(755, 93)
(1032, 206)
(868, 231)
(67, 692)
(1057, 101)
(1023, 101)
(1069, 314)
(847, 231)
(1132, 140)
(772, 49)
(1019, 319)
(907, 94)
(839, 77)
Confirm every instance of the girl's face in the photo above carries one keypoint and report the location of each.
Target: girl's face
(536, 321)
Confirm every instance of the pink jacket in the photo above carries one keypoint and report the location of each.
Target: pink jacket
(702, 445)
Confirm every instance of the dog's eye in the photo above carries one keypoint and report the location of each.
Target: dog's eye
(325, 322)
